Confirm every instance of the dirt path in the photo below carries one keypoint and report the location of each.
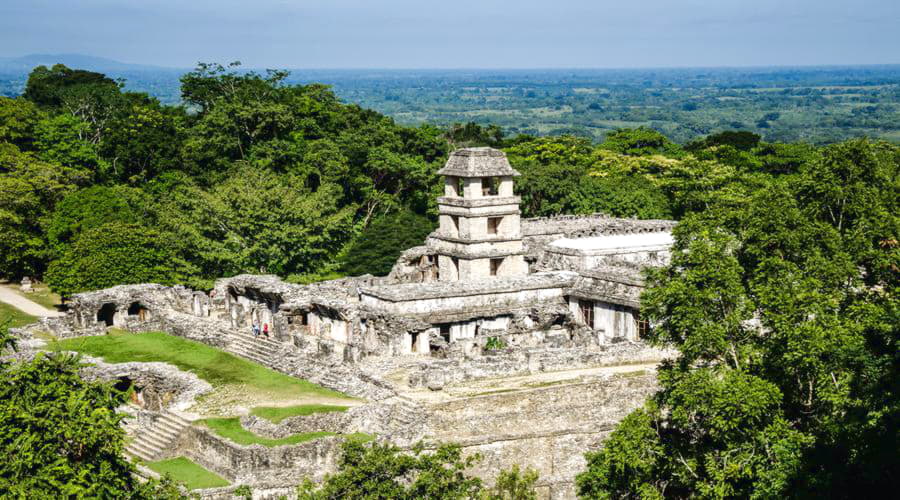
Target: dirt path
(21, 303)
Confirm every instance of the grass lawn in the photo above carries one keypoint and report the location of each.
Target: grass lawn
(41, 294)
(230, 428)
(17, 318)
(185, 471)
(276, 414)
(235, 380)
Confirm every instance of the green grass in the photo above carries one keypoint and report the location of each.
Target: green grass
(217, 367)
(277, 414)
(193, 476)
(16, 317)
(230, 428)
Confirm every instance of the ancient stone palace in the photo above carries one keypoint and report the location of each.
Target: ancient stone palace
(501, 333)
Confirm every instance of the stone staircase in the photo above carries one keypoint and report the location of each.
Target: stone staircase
(152, 443)
(257, 349)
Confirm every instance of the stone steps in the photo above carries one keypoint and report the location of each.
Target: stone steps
(156, 440)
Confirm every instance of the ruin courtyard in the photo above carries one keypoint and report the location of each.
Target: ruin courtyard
(517, 338)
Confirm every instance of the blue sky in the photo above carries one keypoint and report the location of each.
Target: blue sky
(460, 33)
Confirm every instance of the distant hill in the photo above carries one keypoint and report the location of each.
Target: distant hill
(24, 64)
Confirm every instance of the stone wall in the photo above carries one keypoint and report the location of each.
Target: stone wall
(273, 466)
(548, 429)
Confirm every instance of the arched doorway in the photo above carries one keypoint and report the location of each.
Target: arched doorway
(138, 309)
(107, 314)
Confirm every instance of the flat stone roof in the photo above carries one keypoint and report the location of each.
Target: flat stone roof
(616, 241)
(478, 162)
(441, 289)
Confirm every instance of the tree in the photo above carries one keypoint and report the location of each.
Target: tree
(378, 246)
(60, 435)
(113, 254)
(384, 471)
(640, 141)
(92, 207)
(256, 221)
(784, 316)
(29, 188)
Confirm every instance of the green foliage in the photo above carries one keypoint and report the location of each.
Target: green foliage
(379, 470)
(640, 142)
(27, 188)
(92, 207)
(53, 87)
(513, 484)
(112, 254)
(378, 246)
(60, 435)
(494, 343)
(383, 471)
(780, 301)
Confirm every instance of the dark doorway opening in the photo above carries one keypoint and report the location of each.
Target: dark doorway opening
(107, 313)
(138, 309)
(445, 332)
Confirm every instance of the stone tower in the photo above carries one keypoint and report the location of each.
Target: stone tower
(480, 234)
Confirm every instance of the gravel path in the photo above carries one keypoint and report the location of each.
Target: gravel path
(21, 303)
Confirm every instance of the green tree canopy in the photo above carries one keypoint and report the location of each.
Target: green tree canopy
(113, 254)
(378, 246)
(60, 435)
(784, 316)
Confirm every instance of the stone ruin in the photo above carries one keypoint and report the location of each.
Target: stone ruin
(488, 297)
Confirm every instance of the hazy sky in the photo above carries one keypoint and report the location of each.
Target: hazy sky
(460, 33)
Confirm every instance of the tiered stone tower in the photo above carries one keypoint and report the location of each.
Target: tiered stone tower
(480, 234)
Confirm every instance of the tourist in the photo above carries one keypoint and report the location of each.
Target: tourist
(255, 329)
(266, 330)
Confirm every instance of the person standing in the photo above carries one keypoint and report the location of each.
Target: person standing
(255, 329)
(266, 330)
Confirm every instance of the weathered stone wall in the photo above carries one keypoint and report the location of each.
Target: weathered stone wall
(548, 429)
(272, 466)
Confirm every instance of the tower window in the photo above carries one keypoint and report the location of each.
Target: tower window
(495, 266)
(490, 186)
(455, 220)
(460, 187)
(493, 224)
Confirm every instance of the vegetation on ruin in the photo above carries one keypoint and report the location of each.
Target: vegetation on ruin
(186, 472)
(276, 414)
(229, 374)
(385, 471)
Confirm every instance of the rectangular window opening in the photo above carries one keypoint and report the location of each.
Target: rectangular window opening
(493, 225)
(587, 312)
(455, 220)
(490, 186)
(495, 266)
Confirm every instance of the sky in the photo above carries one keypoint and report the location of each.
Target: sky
(459, 33)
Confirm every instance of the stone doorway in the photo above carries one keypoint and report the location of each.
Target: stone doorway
(107, 314)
